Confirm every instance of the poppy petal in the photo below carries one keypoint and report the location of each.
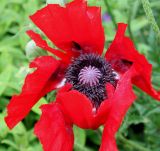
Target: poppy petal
(123, 48)
(103, 110)
(89, 22)
(120, 103)
(53, 131)
(43, 44)
(67, 25)
(77, 107)
(36, 85)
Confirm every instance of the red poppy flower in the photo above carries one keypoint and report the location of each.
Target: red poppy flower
(92, 90)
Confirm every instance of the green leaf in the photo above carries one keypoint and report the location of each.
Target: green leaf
(4, 78)
(36, 108)
(138, 23)
(19, 129)
(3, 128)
(80, 136)
(10, 143)
(60, 2)
(32, 51)
(5, 59)
(150, 16)
(95, 136)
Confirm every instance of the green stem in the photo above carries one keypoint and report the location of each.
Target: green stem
(147, 8)
(132, 12)
(110, 13)
(129, 26)
(81, 148)
(133, 144)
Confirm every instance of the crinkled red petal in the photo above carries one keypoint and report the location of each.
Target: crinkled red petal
(77, 107)
(43, 44)
(65, 25)
(53, 131)
(36, 85)
(110, 90)
(123, 48)
(120, 103)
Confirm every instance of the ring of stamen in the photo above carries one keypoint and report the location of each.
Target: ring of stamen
(89, 74)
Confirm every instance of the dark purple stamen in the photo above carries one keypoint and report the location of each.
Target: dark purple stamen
(89, 74)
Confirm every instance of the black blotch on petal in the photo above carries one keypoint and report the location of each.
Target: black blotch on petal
(76, 46)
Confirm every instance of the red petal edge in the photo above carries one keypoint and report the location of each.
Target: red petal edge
(43, 44)
(123, 48)
(79, 110)
(77, 107)
(120, 103)
(36, 85)
(65, 25)
(52, 130)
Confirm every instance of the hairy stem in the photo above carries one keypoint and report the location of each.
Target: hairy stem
(150, 17)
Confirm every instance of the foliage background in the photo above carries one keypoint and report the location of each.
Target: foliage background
(141, 128)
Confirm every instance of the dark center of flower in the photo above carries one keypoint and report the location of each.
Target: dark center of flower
(89, 74)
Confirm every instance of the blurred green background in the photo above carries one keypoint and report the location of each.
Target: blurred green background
(140, 130)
